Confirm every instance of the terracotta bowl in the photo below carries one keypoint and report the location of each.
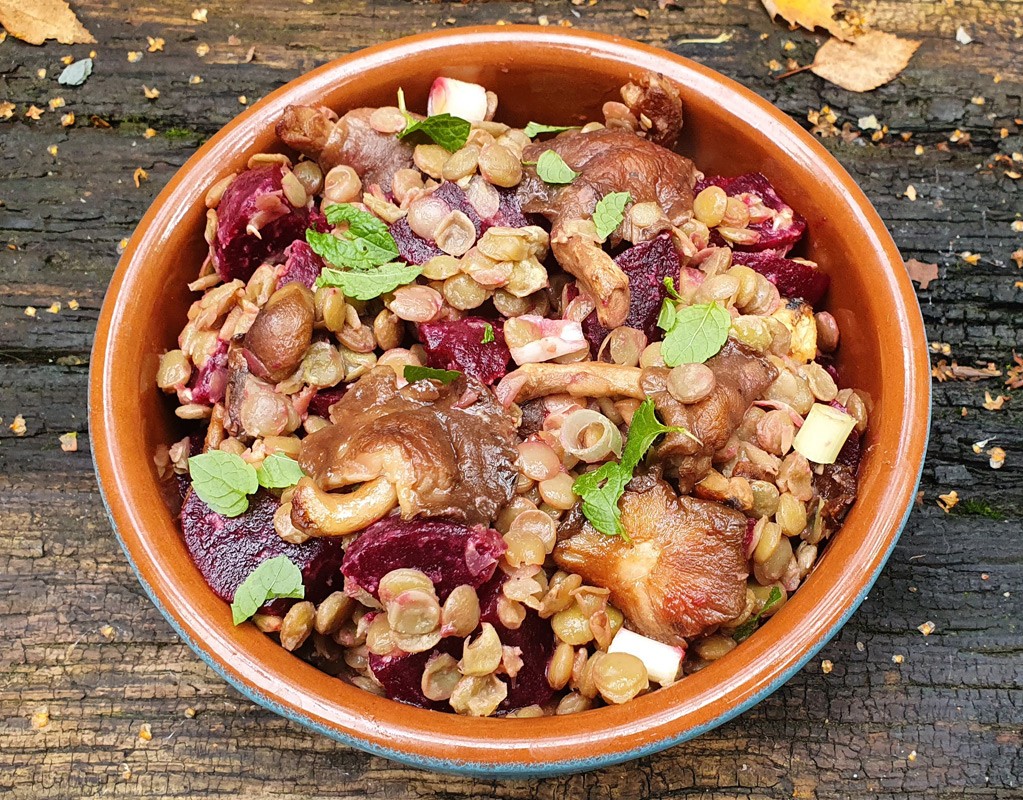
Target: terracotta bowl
(548, 75)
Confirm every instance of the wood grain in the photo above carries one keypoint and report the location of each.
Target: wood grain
(944, 723)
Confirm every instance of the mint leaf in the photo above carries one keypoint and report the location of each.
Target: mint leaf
(366, 244)
(669, 284)
(744, 631)
(488, 334)
(535, 128)
(449, 132)
(274, 578)
(699, 332)
(610, 212)
(552, 169)
(279, 472)
(601, 489)
(368, 284)
(223, 481)
(414, 373)
(666, 319)
(77, 73)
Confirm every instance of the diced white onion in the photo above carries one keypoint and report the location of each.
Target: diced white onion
(610, 440)
(532, 338)
(823, 434)
(662, 661)
(467, 101)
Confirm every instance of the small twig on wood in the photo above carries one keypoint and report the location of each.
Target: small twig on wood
(792, 72)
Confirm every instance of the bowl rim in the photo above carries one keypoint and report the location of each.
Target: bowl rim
(584, 750)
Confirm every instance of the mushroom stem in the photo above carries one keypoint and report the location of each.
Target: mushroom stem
(576, 247)
(321, 513)
(585, 379)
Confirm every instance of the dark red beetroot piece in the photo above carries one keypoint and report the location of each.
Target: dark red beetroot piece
(401, 674)
(209, 383)
(301, 265)
(779, 233)
(255, 198)
(227, 549)
(414, 249)
(449, 553)
(646, 265)
(458, 344)
(793, 278)
(534, 637)
(324, 399)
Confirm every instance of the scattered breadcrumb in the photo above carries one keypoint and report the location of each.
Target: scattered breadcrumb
(68, 119)
(962, 36)
(41, 718)
(202, 49)
(69, 442)
(1017, 256)
(145, 732)
(155, 44)
(122, 245)
(199, 14)
(996, 457)
(125, 772)
(243, 100)
(978, 100)
(984, 576)
(55, 103)
(641, 12)
(978, 447)
(1017, 225)
(970, 258)
(927, 628)
(34, 112)
(898, 658)
(195, 79)
(151, 94)
(827, 666)
(18, 426)
(7, 109)
(149, 133)
(52, 150)
(948, 501)
(30, 311)
(869, 123)
(134, 56)
(919, 150)
(139, 175)
(190, 712)
(912, 755)
(107, 631)
(40, 73)
(54, 308)
(910, 192)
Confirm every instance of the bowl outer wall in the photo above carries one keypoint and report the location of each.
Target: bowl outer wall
(884, 350)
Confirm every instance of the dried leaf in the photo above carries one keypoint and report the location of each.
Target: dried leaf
(138, 176)
(809, 14)
(920, 271)
(870, 61)
(1014, 375)
(7, 109)
(996, 458)
(994, 403)
(76, 73)
(40, 20)
(948, 501)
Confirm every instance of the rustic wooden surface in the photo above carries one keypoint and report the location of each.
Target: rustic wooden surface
(946, 722)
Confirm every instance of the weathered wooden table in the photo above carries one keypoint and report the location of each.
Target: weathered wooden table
(899, 714)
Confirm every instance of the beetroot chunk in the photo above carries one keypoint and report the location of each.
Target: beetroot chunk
(509, 212)
(209, 383)
(412, 248)
(301, 265)
(449, 553)
(324, 399)
(646, 265)
(534, 638)
(781, 230)
(793, 278)
(255, 199)
(227, 549)
(401, 674)
(458, 345)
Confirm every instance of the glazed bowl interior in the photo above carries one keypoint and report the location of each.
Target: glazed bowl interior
(552, 77)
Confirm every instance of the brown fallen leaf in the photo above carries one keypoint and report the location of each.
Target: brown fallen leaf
(867, 62)
(994, 403)
(138, 176)
(1014, 374)
(40, 20)
(922, 272)
(809, 14)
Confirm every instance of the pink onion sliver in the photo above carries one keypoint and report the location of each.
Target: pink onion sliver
(467, 101)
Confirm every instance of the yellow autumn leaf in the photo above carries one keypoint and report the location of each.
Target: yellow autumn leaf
(809, 14)
(869, 61)
(40, 20)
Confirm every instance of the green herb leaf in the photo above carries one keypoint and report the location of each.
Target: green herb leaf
(366, 285)
(744, 631)
(666, 319)
(223, 481)
(535, 128)
(552, 169)
(699, 332)
(601, 489)
(279, 472)
(274, 578)
(669, 284)
(414, 373)
(610, 212)
(488, 334)
(449, 132)
(77, 73)
(366, 244)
